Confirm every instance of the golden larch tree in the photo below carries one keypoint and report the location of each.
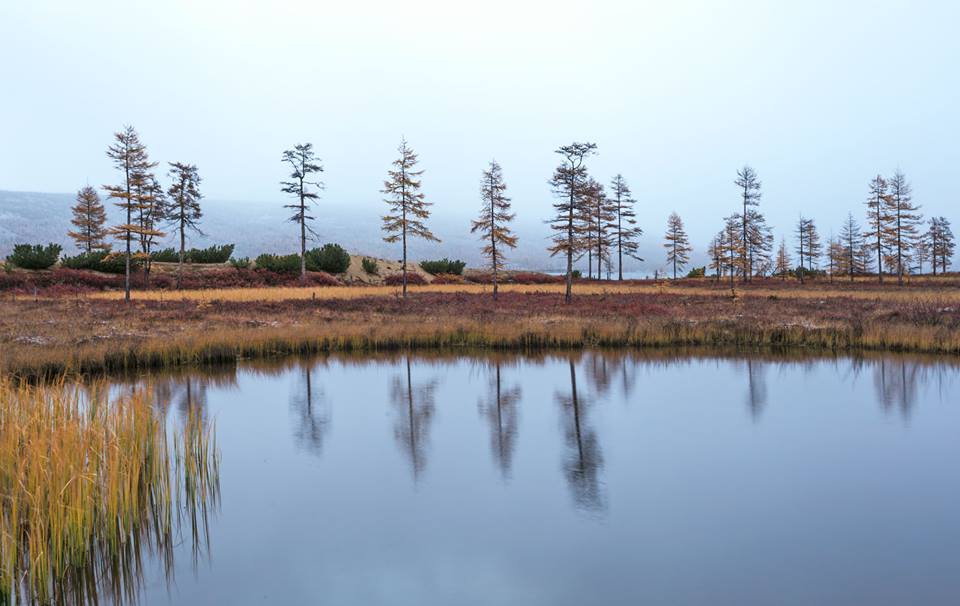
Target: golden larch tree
(130, 157)
(408, 208)
(90, 219)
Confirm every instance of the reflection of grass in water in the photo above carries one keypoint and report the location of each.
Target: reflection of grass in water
(88, 484)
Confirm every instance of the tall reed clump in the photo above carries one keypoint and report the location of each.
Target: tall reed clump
(88, 483)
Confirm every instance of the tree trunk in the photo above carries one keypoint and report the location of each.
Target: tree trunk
(493, 250)
(183, 241)
(303, 236)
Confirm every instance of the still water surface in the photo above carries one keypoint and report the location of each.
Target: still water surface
(589, 478)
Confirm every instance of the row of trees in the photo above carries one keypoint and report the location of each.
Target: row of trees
(148, 208)
(894, 242)
(588, 219)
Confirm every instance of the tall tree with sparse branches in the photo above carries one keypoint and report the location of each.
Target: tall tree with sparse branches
(494, 219)
(408, 206)
(151, 212)
(601, 218)
(130, 157)
(625, 231)
(942, 243)
(878, 220)
(90, 218)
(904, 222)
(677, 244)
(749, 185)
(305, 189)
(184, 210)
(851, 242)
(782, 266)
(568, 224)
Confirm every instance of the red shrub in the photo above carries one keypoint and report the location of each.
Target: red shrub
(397, 279)
(530, 277)
(446, 279)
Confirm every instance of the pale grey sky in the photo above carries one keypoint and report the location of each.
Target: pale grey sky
(818, 96)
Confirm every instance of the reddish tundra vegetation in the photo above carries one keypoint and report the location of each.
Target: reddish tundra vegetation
(100, 332)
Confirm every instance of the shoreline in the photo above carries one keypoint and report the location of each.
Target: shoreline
(91, 335)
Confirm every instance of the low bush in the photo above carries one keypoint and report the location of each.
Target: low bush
(281, 264)
(36, 256)
(104, 261)
(697, 272)
(448, 279)
(370, 266)
(241, 263)
(212, 254)
(443, 266)
(397, 279)
(530, 277)
(168, 255)
(330, 258)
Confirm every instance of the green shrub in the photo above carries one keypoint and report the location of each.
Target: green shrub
(103, 261)
(166, 255)
(331, 258)
(241, 263)
(697, 272)
(281, 264)
(370, 266)
(577, 274)
(443, 266)
(37, 256)
(213, 254)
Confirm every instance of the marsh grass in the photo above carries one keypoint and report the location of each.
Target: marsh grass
(89, 483)
(929, 290)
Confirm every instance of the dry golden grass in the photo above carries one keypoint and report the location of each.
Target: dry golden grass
(820, 291)
(87, 481)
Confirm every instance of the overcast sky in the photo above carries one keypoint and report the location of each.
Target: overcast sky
(818, 96)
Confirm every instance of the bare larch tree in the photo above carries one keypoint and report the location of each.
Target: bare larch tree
(306, 191)
(567, 223)
(408, 206)
(494, 219)
(878, 220)
(89, 217)
(851, 242)
(942, 243)
(749, 184)
(625, 232)
(184, 210)
(904, 222)
(677, 244)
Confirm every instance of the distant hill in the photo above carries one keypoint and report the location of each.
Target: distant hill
(257, 227)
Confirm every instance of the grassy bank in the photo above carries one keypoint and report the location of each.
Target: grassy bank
(96, 334)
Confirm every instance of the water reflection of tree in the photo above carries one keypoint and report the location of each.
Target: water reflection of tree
(756, 388)
(897, 381)
(311, 412)
(415, 405)
(599, 373)
(584, 460)
(500, 410)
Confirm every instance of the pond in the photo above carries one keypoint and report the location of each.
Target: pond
(579, 478)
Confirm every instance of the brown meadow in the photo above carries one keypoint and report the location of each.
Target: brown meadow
(97, 333)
